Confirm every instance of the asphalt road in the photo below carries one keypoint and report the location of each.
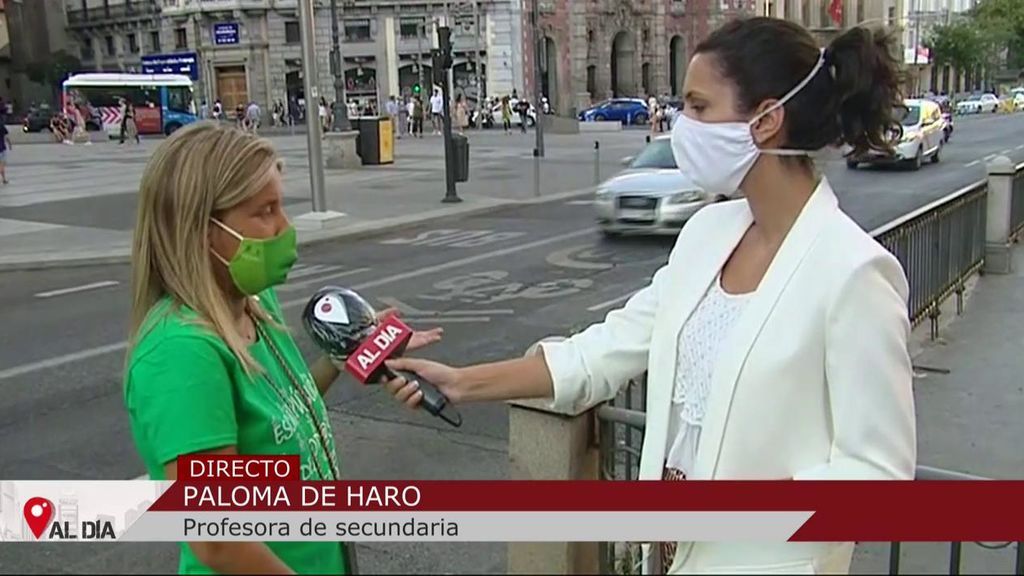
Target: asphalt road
(496, 283)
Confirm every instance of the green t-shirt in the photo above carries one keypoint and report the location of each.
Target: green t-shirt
(186, 392)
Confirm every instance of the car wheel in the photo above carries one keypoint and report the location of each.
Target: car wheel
(610, 234)
(530, 122)
(935, 157)
(918, 160)
(720, 198)
(640, 119)
(599, 118)
(171, 128)
(852, 164)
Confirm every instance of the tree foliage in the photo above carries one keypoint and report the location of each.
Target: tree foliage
(959, 44)
(53, 69)
(1002, 23)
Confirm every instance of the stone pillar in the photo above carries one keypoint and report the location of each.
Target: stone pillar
(543, 445)
(603, 84)
(660, 60)
(579, 99)
(998, 257)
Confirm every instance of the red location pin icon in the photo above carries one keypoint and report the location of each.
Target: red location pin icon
(38, 512)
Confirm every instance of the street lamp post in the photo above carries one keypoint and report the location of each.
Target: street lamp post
(340, 108)
(309, 78)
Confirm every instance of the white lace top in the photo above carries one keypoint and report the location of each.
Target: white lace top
(698, 349)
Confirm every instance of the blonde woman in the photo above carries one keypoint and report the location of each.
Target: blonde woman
(211, 367)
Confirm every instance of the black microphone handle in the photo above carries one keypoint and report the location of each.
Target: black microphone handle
(433, 400)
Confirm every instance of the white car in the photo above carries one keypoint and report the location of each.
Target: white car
(923, 136)
(1018, 101)
(978, 104)
(651, 196)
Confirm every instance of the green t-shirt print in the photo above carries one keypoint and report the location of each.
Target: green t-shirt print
(186, 392)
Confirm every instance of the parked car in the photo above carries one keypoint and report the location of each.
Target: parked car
(651, 196)
(923, 135)
(37, 120)
(978, 103)
(625, 110)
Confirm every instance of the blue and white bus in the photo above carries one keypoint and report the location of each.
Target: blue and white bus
(163, 102)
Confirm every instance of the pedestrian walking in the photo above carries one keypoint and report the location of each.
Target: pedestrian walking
(252, 117)
(5, 147)
(775, 338)
(461, 114)
(212, 367)
(437, 111)
(523, 109)
(506, 114)
(417, 117)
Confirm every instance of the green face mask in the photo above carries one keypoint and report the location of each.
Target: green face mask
(260, 263)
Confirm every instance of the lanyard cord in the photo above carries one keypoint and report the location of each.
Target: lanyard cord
(307, 402)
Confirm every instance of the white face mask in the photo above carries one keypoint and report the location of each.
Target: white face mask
(718, 155)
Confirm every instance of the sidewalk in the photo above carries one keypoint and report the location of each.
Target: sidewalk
(970, 419)
(74, 205)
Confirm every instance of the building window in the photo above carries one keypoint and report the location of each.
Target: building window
(110, 45)
(357, 31)
(291, 32)
(87, 53)
(891, 18)
(133, 44)
(180, 38)
(154, 40)
(409, 29)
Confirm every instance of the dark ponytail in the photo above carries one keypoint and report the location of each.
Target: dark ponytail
(851, 100)
(866, 88)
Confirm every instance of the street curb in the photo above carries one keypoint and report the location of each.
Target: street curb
(358, 231)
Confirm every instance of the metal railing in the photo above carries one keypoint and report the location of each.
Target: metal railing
(940, 246)
(1017, 204)
(621, 430)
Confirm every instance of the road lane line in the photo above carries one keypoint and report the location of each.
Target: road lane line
(305, 283)
(73, 289)
(1021, 147)
(123, 345)
(303, 271)
(613, 301)
(990, 157)
(1005, 152)
(62, 359)
(581, 202)
(972, 163)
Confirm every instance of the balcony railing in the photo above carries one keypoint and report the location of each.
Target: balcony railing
(138, 9)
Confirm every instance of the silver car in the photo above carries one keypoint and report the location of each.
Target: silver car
(652, 196)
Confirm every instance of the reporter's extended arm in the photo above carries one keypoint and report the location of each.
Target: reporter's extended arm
(517, 378)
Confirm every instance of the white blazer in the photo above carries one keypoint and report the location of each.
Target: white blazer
(814, 381)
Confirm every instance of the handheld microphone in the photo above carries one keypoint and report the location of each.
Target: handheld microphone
(345, 326)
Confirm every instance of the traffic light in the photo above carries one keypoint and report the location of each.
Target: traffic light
(437, 69)
(444, 43)
(416, 88)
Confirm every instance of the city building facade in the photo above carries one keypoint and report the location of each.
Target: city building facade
(591, 51)
(35, 32)
(250, 50)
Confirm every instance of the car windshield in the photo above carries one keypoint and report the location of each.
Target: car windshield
(913, 116)
(657, 154)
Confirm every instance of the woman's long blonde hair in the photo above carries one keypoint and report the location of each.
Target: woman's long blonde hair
(197, 172)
